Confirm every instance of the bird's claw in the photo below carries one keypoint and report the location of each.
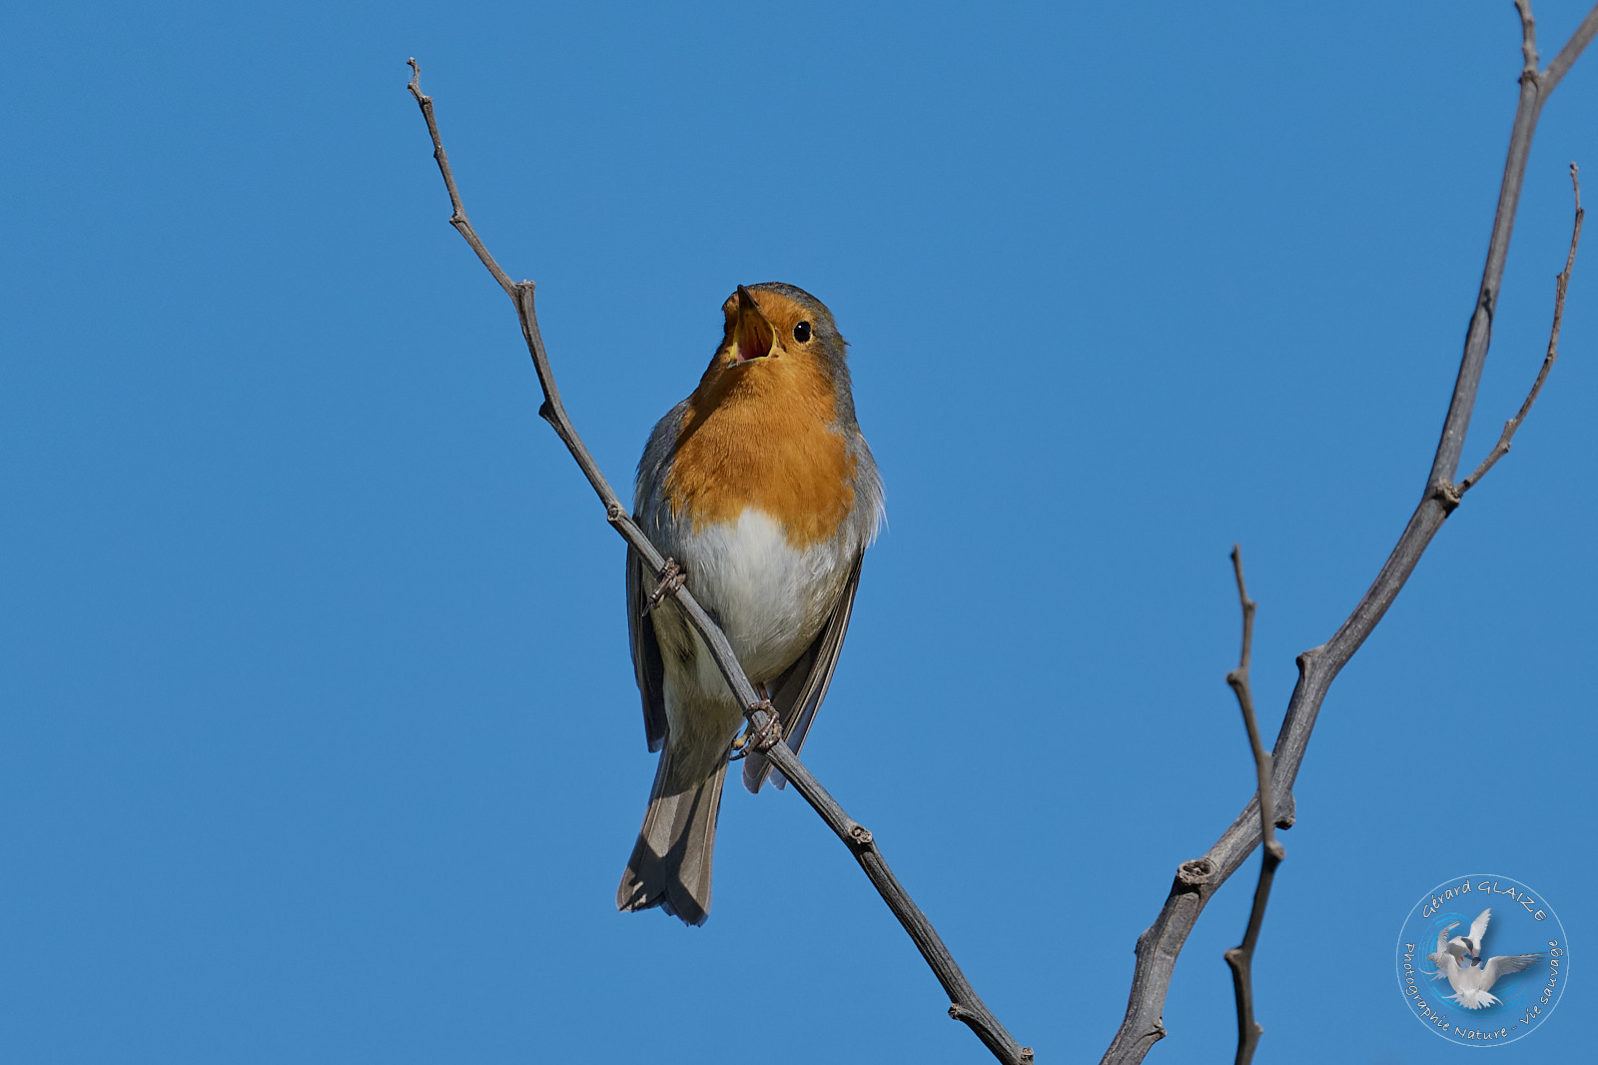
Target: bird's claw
(671, 578)
(762, 739)
(768, 735)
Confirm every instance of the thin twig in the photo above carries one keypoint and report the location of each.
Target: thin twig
(1197, 880)
(1528, 38)
(966, 1005)
(1241, 958)
(1569, 53)
(1561, 283)
(1535, 88)
(458, 216)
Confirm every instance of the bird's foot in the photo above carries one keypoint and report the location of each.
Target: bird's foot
(768, 735)
(762, 739)
(671, 578)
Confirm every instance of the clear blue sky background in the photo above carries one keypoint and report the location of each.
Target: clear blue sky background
(320, 741)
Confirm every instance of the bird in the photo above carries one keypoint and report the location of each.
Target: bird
(1448, 952)
(1472, 983)
(761, 489)
(1471, 944)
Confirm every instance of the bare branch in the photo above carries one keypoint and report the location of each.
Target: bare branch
(458, 217)
(1571, 51)
(1528, 37)
(1198, 880)
(1534, 91)
(1561, 283)
(1241, 958)
(966, 1006)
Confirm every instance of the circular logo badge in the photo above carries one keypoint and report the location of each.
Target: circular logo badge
(1482, 959)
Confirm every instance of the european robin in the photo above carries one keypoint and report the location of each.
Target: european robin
(761, 488)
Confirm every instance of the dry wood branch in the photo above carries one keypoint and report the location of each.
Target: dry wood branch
(1561, 284)
(966, 1006)
(458, 216)
(1198, 880)
(1535, 89)
(1528, 37)
(1241, 958)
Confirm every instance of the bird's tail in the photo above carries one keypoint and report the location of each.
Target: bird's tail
(1475, 998)
(670, 865)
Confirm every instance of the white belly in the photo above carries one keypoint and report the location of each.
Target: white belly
(770, 597)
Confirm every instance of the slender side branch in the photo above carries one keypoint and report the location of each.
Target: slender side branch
(1528, 37)
(1570, 52)
(1535, 88)
(1561, 283)
(966, 1006)
(1197, 880)
(1241, 958)
(458, 217)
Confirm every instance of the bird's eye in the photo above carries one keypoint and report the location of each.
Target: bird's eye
(801, 332)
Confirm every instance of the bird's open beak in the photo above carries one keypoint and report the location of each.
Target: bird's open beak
(754, 334)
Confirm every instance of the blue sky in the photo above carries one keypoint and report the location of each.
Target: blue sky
(320, 738)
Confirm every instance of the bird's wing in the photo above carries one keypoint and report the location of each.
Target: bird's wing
(797, 694)
(1505, 964)
(1442, 938)
(647, 667)
(653, 515)
(1478, 927)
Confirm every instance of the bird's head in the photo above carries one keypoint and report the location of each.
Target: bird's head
(777, 321)
(780, 351)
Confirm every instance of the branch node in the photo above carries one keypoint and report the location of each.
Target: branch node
(1193, 875)
(861, 837)
(1448, 494)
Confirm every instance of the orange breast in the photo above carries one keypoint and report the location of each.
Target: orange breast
(760, 435)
